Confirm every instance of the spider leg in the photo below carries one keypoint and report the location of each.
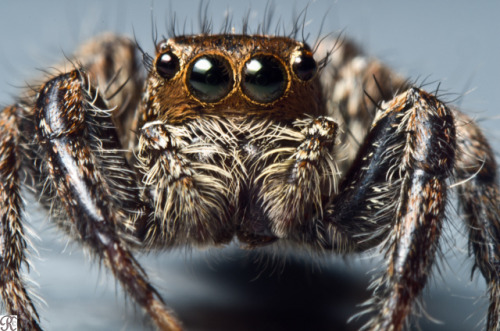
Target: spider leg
(13, 241)
(395, 195)
(479, 197)
(190, 197)
(93, 183)
(291, 189)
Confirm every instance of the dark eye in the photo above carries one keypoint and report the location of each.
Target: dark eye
(304, 66)
(264, 79)
(209, 78)
(167, 65)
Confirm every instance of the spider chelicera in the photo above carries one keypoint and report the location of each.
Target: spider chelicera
(244, 138)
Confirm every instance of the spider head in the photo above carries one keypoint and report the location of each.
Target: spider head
(232, 75)
(226, 119)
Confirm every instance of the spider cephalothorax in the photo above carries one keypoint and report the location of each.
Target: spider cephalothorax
(227, 141)
(233, 137)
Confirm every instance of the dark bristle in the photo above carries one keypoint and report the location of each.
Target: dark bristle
(268, 17)
(154, 30)
(205, 23)
(269, 24)
(246, 19)
(227, 23)
(147, 59)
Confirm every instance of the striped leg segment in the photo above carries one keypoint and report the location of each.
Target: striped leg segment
(13, 243)
(190, 197)
(294, 180)
(395, 195)
(92, 183)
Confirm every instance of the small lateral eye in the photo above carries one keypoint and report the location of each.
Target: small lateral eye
(209, 78)
(167, 65)
(264, 79)
(304, 66)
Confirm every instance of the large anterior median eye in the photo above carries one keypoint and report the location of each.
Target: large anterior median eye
(264, 79)
(209, 78)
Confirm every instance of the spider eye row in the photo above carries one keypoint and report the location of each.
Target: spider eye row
(264, 78)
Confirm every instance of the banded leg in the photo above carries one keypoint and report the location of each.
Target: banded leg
(395, 193)
(292, 189)
(475, 168)
(190, 198)
(479, 197)
(89, 177)
(13, 242)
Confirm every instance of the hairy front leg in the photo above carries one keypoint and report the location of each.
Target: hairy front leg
(93, 183)
(395, 195)
(358, 85)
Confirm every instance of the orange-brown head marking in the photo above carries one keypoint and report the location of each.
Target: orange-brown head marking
(232, 75)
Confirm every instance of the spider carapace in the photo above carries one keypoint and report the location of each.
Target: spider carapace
(249, 138)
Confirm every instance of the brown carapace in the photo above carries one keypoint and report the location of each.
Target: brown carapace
(245, 138)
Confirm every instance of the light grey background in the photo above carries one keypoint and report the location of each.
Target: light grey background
(452, 42)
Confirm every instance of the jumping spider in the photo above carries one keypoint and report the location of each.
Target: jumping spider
(244, 138)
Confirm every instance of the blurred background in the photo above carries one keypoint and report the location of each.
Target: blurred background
(452, 42)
